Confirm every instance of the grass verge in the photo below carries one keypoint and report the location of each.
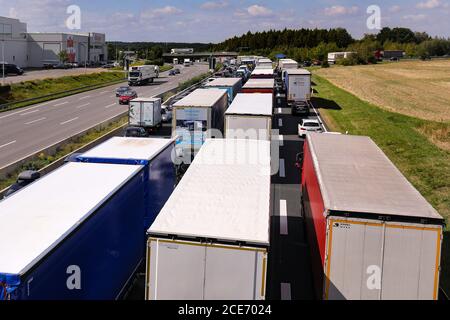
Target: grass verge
(186, 84)
(44, 160)
(401, 137)
(59, 86)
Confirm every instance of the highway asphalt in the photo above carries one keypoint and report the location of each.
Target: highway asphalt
(26, 131)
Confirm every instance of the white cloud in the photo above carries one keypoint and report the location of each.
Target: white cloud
(415, 17)
(259, 11)
(431, 4)
(340, 10)
(395, 9)
(167, 10)
(213, 5)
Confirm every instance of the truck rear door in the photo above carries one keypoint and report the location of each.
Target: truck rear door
(147, 114)
(134, 113)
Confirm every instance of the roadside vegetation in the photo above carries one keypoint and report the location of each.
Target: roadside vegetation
(60, 86)
(405, 141)
(186, 84)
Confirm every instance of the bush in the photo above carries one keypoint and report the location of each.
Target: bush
(5, 89)
(325, 63)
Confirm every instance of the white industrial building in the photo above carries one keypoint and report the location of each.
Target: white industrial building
(35, 49)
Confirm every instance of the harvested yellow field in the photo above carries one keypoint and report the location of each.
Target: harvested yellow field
(416, 88)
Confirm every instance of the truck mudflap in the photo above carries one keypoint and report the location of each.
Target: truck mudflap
(8, 284)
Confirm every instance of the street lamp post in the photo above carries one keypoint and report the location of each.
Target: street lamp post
(3, 62)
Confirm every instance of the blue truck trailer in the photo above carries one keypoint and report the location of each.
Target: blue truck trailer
(154, 154)
(75, 234)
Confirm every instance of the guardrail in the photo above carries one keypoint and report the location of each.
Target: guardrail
(58, 94)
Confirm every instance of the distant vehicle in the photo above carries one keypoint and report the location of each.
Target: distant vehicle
(307, 63)
(11, 69)
(172, 72)
(127, 96)
(24, 179)
(309, 125)
(187, 62)
(121, 90)
(108, 66)
(166, 115)
(177, 71)
(394, 59)
(135, 132)
(139, 75)
(300, 108)
(74, 65)
(145, 113)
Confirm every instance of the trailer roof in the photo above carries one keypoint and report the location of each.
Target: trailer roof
(146, 99)
(260, 83)
(252, 104)
(356, 176)
(37, 218)
(128, 148)
(298, 72)
(262, 72)
(222, 199)
(264, 60)
(231, 82)
(202, 98)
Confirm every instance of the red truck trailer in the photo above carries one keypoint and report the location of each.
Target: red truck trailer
(372, 235)
(259, 86)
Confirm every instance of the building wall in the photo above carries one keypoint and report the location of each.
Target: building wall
(13, 38)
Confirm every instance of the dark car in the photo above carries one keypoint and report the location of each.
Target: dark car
(11, 69)
(122, 90)
(135, 132)
(172, 73)
(300, 108)
(126, 97)
(24, 179)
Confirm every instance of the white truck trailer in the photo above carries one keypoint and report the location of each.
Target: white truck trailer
(298, 85)
(250, 117)
(145, 113)
(195, 115)
(287, 64)
(211, 239)
(139, 75)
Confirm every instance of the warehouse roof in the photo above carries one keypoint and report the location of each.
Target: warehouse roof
(356, 176)
(252, 104)
(128, 148)
(260, 83)
(224, 195)
(231, 82)
(37, 218)
(202, 98)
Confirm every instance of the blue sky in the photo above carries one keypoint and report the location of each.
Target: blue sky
(216, 20)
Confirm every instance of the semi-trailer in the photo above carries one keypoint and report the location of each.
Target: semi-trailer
(232, 85)
(285, 64)
(153, 156)
(264, 63)
(139, 75)
(297, 84)
(262, 74)
(75, 234)
(372, 234)
(211, 239)
(195, 115)
(250, 117)
(145, 113)
(259, 86)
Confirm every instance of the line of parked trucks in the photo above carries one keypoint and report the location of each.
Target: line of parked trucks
(82, 231)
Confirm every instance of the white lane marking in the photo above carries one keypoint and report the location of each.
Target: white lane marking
(280, 122)
(282, 169)
(83, 105)
(283, 218)
(29, 112)
(68, 121)
(286, 291)
(110, 105)
(113, 96)
(34, 121)
(61, 104)
(281, 138)
(103, 92)
(280, 111)
(86, 97)
(26, 109)
(7, 144)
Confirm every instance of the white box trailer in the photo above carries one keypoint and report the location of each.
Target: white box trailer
(285, 64)
(264, 63)
(232, 85)
(196, 114)
(211, 239)
(261, 73)
(139, 75)
(250, 117)
(372, 235)
(145, 113)
(298, 85)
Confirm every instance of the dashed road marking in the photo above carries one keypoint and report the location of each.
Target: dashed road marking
(7, 144)
(281, 138)
(68, 121)
(83, 105)
(282, 169)
(110, 105)
(284, 230)
(286, 291)
(280, 122)
(34, 121)
(61, 104)
(29, 112)
(85, 97)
